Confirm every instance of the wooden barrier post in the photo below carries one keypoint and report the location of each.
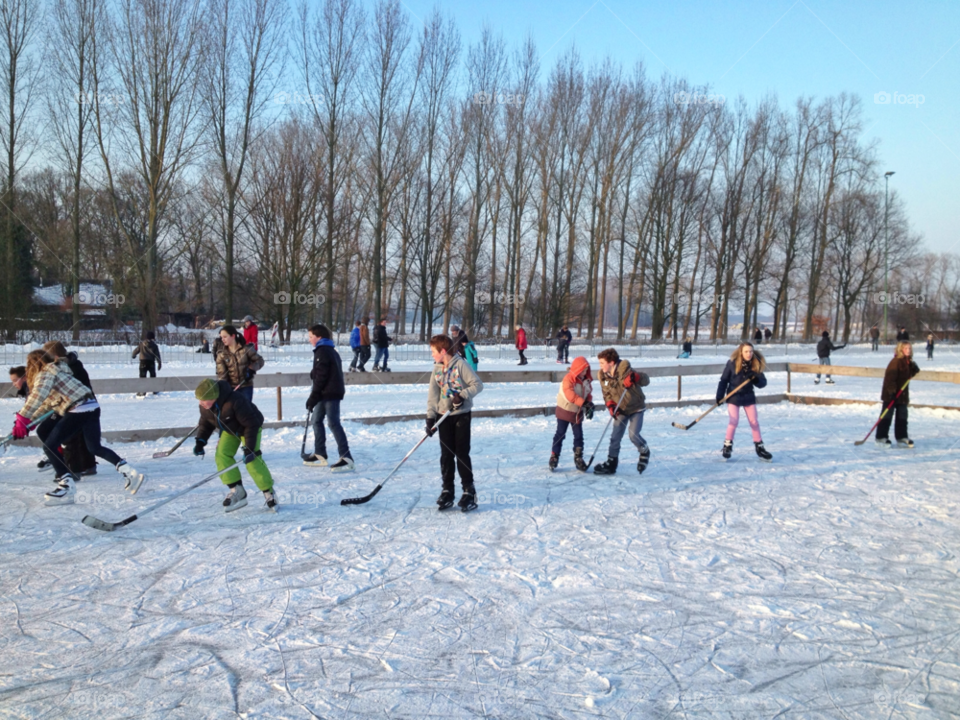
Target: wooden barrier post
(788, 379)
(679, 385)
(279, 404)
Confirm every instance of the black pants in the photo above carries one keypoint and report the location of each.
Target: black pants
(364, 355)
(899, 427)
(523, 360)
(151, 369)
(86, 424)
(75, 454)
(454, 435)
(563, 351)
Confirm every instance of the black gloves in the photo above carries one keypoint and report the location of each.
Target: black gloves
(310, 405)
(249, 455)
(431, 422)
(198, 448)
(588, 410)
(457, 401)
(248, 375)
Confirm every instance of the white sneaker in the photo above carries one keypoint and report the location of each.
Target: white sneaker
(235, 499)
(132, 478)
(63, 493)
(315, 460)
(342, 465)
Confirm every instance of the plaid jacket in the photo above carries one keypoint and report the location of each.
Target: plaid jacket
(55, 388)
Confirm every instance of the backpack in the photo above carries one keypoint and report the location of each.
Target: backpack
(470, 355)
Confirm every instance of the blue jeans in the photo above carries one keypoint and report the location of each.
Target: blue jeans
(384, 353)
(824, 361)
(635, 422)
(331, 410)
(247, 392)
(562, 433)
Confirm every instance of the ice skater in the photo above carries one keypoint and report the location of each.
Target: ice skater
(453, 386)
(238, 362)
(150, 360)
(616, 376)
(53, 387)
(896, 391)
(745, 364)
(824, 347)
(574, 403)
(230, 412)
(324, 401)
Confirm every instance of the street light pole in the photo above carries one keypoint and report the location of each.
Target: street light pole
(886, 251)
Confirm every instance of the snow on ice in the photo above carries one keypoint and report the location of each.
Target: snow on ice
(823, 585)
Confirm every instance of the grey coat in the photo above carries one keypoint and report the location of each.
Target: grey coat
(456, 377)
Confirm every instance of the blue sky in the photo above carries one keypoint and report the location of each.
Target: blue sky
(786, 47)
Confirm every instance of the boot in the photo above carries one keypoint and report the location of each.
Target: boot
(554, 461)
(727, 449)
(315, 460)
(271, 499)
(376, 368)
(762, 452)
(578, 459)
(468, 499)
(132, 479)
(447, 496)
(607, 468)
(344, 464)
(644, 459)
(236, 498)
(64, 493)
(884, 443)
(905, 443)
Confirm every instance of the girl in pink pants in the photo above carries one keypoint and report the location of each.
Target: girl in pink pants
(744, 368)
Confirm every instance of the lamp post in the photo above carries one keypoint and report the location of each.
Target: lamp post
(886, 251)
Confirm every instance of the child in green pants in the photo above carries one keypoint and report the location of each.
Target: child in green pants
(237, 419)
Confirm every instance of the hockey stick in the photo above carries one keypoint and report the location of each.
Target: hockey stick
(732, 392)
(606, 428)
(306, 429)
(97, 524)
(368, 498)
(32, 426)
(171, 451)
(883, 414)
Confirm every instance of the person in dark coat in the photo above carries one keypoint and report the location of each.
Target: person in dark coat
(382, 341)
(204, 347)
(745, 365)
(903, 335)
(150, 360)
(757, 336)
(564, 338)
(930, 343)
(824, 347)
(459, 337)
(874, 338)
(901, 369)
(686, 348)
(324, 401)
(767, 334)
(238, 421)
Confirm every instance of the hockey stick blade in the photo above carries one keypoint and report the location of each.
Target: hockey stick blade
(97, 524)
(165, 453)
(361, 500)
(681, 427)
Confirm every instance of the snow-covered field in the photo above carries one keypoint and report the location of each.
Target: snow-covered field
(823, 585)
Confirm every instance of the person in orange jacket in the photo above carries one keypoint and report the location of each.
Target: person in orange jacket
(521, 343)
(574, 403)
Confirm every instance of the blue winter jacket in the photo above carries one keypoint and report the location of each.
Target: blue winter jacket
(355, 338)
(731, 379)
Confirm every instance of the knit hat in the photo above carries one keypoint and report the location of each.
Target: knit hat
(825, 334)
(207, 390)
(248, 318)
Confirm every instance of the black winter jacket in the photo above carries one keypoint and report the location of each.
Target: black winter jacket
(380, 338)
(327, 375)
(79, 372)
(825, 346)
(564, 337)
(233, 413)
(732, 379)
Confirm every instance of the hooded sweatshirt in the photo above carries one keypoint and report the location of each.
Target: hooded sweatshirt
(574, 391)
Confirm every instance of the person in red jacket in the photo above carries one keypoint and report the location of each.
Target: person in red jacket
(250, 332)
(521, 343)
